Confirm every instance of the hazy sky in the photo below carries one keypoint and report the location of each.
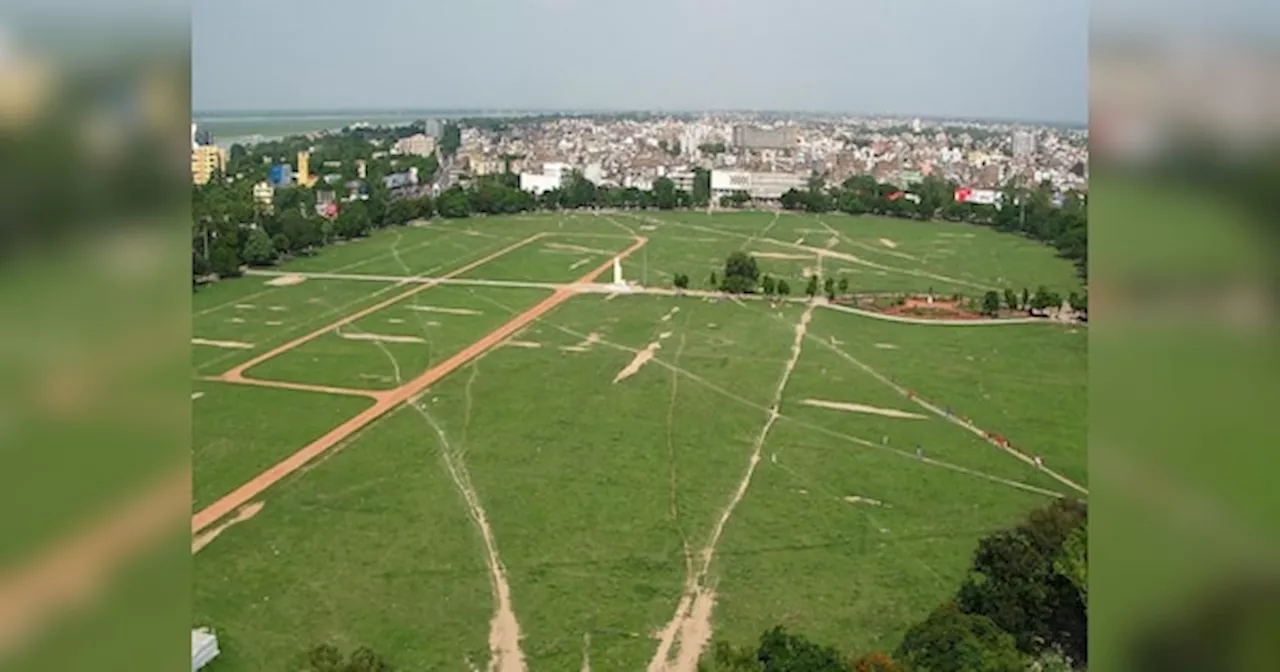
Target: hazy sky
(1022, 59)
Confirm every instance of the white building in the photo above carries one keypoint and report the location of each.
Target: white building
(553, 175)
(1024, 144)
(420, 144)
(760, 186)
(263, 193)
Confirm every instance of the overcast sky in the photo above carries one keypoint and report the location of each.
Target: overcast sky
(1012, 59)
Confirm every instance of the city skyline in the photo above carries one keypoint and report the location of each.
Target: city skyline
(975, 59)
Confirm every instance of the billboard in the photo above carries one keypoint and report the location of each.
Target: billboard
(730, 180)
(977, 196)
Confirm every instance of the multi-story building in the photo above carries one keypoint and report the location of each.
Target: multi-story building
(751, 137)
(1024, 145)
(434, 128)
(760, 186)
(206, 160)
(420, 144)
(263, 193)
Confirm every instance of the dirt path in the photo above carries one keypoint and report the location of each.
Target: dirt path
(505, 654)
(387, 401)
(433, 279)
(932, 408)
(689, 631)
(301, 387)
(236, 373)
(761, 233)
(986, 322)
(861, 408)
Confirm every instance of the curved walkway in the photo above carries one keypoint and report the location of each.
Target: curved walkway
(944, 323)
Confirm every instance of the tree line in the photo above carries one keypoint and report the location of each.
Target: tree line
(741, 275)
(230, 230)
(1023, 605)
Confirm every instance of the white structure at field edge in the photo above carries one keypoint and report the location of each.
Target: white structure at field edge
(618, 282)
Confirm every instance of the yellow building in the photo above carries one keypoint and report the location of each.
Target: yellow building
(303, 175)
(205, 161)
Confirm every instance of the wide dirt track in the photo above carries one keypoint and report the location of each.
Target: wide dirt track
(541, 470)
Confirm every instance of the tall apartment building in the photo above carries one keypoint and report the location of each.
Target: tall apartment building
(205, 161)
(1024, 144)
(752, 137)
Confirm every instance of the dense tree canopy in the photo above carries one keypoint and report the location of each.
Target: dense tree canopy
(950, 640)
(741, 273)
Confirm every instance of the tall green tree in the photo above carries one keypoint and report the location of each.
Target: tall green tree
(701, 187)
(812, 288)
(767, 285)
(781, 651)
(1015, 583)
(990, 303)
(829, 288)
(844, 285)
(664, 193)
(741, 273)
(950, 640)
(1010, 299)
(258, 250)
(784, 288)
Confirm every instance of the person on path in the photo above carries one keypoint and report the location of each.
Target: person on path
(1039, 462)
(919, 452)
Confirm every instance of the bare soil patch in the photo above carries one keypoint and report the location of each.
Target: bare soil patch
(245, 306)
(886, 346)
(274, 323)
(638, 361)
(442, 309)
(287, 280)
(523, 344)
(855, 499)
(861, 408)
(236, 345)
(381, 338)
(575, 248)
(196, 395)
(244, 513)
(888, 243)
(671, 313)
(591, 339)
(580, 263)
(781, 255)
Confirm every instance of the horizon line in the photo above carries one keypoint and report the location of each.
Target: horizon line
(570, 111)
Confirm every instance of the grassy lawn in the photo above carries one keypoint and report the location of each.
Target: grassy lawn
(558, 258)
(239, 431)
(247, 310)
(1025, 382)
(594, 488)
(430, 325)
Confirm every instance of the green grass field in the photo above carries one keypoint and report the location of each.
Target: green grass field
(595, 487)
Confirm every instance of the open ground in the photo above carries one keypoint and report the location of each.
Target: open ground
(460, 445)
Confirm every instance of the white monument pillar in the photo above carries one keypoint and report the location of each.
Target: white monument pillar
(617, 272)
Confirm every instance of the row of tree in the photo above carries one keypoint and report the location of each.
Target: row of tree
(742, 276)
(1022, 606)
